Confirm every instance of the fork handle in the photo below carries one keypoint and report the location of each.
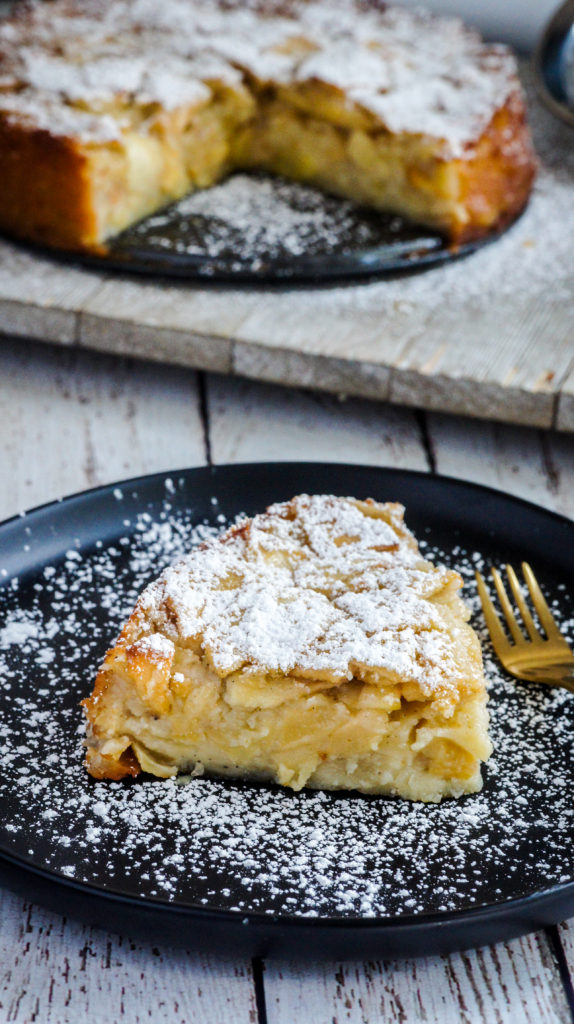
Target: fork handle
(555, 675)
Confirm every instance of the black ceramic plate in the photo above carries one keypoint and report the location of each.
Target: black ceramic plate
(258, 229)
(255, 869)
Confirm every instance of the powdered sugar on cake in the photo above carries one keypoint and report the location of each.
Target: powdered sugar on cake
(410, 71)
(314, 586)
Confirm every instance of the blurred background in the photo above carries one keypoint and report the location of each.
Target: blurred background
(518, 22)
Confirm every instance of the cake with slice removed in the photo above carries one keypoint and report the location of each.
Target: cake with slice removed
(111, 109)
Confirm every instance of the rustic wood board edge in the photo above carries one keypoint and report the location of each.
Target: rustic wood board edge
(490, 400)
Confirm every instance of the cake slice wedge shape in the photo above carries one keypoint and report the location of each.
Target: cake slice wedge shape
(311, 646)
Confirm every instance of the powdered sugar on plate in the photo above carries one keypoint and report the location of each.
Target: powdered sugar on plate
(257, 218)
(256, 226)
(254, 848)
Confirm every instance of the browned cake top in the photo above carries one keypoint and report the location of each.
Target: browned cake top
(76, 66)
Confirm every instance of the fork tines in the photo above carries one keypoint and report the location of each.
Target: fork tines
(545, 617)
(534, 658)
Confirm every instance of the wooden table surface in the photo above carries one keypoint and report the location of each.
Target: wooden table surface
(71, 419)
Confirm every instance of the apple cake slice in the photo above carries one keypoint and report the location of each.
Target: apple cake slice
(311, 645)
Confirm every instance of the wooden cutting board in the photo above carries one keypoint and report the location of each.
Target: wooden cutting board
(491, 335)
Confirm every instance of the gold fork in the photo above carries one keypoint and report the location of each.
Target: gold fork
(539, 658)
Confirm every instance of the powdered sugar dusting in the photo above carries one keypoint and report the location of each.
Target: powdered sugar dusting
(252, 848)
(411, 71)
(319, 584)
(256, 218)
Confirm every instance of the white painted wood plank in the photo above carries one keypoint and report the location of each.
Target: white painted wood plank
(505, 984)
(566, 935)
(282, 365)
(256, 422)
(398, 340)
(178, 305)
(535, 465)
(56, 971)
(171, 322)
(39, 298)
(391, 339)
(314, 338)
(558, 452)
(163, 345)
(565, 410)
(73, 420)
(503, 363)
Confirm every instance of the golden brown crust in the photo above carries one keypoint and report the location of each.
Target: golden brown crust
(115, 769)
(55, 207)
(497, 180)
(45, 195)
